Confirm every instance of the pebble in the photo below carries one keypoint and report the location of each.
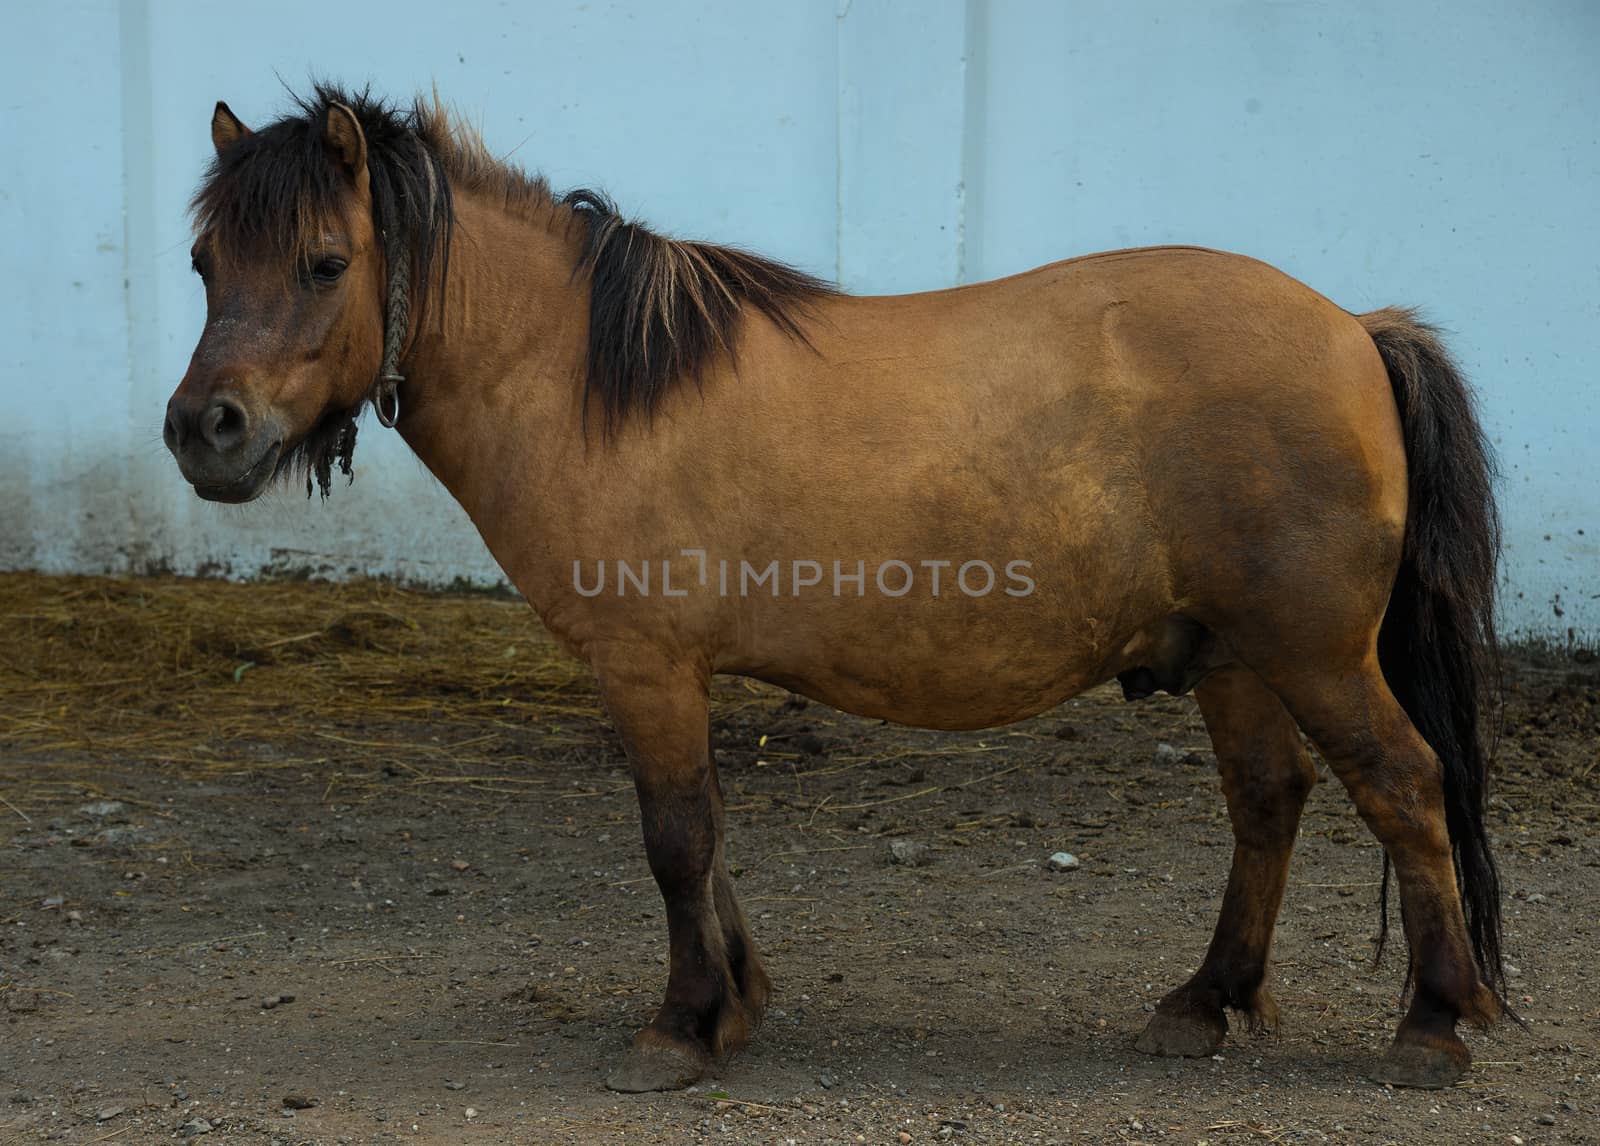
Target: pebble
(827, 1080)
(1546, 1120)
(299, 1101)
(100, 809)
(472, 1112)
(1063, 861)
(197, 1126)
(107, 1113)
(904, 1138)
(1167, 754)
(450, 1085)
(911, 853)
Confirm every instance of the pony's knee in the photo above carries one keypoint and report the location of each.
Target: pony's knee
(1267, 802)
(682, 852)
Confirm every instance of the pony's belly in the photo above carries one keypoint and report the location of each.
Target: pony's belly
(964, 689)
(969, 678)
(964, 707)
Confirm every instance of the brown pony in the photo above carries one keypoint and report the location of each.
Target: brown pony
(1173, 466)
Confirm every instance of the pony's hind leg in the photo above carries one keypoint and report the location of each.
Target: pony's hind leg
(1266, 776)
(716, 988)
(1397, 784)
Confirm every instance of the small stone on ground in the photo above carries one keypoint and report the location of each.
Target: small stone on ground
(912, 853)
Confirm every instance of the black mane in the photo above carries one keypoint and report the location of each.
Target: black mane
(661, 310)
(272, 189)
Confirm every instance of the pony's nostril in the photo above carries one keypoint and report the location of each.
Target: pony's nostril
(224, 424)
(172, 430)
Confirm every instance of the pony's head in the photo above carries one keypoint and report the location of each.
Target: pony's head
(315, 239)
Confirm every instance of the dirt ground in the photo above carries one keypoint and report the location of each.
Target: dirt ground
(412, 904)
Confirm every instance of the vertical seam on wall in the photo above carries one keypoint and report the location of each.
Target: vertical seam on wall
(138, 260)
(974, 131)
(841, 12)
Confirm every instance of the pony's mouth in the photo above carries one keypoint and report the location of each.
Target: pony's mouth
(249, 485)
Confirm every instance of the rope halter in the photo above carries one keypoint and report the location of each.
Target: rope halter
(386, 394)
(397, 310)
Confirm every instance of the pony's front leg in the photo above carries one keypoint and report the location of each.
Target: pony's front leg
(716, 988)
(1266, 777)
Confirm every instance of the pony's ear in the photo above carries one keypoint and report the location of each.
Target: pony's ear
(226, 128)
(346, 140)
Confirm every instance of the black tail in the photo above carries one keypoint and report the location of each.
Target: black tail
(1437, 645)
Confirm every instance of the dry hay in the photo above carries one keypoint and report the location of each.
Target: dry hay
(365, 683)
(369, 689)
(205, 677)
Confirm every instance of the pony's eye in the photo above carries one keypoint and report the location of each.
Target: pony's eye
(198, 267)
(326, 272)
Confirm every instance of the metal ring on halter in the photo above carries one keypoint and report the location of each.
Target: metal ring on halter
(386, 392)
(386, 400)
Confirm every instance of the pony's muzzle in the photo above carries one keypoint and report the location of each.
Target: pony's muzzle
(224, 452)
(222, 424)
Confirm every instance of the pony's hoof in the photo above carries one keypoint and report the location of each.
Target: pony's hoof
(1182, 1034)
(1433, 1065)
(653, 1066)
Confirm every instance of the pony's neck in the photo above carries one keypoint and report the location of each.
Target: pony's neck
(497, 378)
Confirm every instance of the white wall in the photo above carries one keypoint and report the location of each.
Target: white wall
(1435, 153)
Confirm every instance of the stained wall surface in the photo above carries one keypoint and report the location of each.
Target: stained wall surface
(1444, 154)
